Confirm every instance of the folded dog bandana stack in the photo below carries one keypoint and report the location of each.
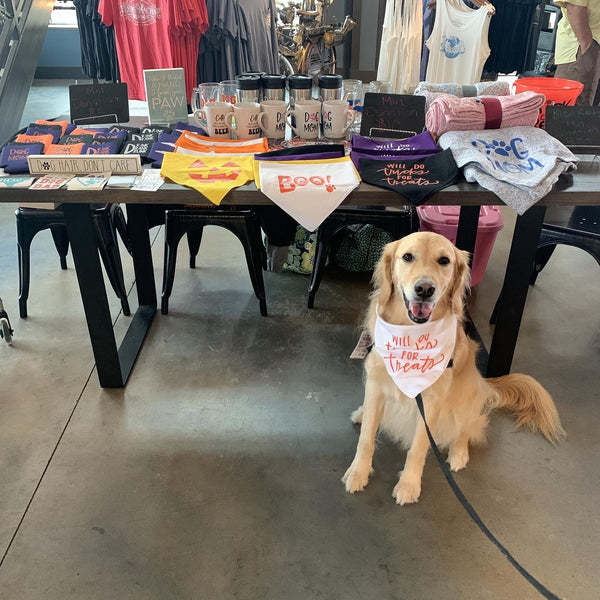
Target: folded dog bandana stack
(308, 190)
(13, 158)
(416, 146)
(190, 143)
(484, 88)
(519, 164)
(416, 180)
(213, 176)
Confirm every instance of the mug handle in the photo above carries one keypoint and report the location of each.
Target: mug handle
(228, 117)
(352, 115)
(200, 118)
(289, 114)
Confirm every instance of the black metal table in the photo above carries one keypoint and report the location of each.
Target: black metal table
(114, 363)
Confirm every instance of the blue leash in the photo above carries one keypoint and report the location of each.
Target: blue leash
(473, 514)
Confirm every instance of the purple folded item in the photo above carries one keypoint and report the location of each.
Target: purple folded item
(313, 156)
(14, 156)
(417, 146)
(157, 152)
(421, 143)
(314, 151)
(102, 148)
(181, 126)
(69, 128)
(125, 128)
(169, 138)
(112, 135)
(356, 156)
(54, 131)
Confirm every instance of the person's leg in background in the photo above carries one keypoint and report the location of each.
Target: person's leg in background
(586, 70)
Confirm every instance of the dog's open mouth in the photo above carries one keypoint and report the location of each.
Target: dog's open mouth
(418, 312)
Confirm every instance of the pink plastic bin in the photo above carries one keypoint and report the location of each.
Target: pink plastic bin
(444, 220)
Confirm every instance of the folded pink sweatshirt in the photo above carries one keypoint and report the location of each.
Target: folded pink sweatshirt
(451, 113)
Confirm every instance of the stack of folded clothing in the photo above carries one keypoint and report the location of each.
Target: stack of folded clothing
(415, 167)
(417, 146)
(449, 113)
(484, 88)
(519, 164)
(61, 137)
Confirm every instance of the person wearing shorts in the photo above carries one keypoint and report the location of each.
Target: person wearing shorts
(577, 51)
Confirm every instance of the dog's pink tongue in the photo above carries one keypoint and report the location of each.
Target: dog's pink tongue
(422, 310)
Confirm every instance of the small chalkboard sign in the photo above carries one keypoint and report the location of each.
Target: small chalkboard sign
(98, 103)
(392, 116)
(166, 96)
(577, 127)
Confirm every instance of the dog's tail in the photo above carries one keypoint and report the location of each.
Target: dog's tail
(529, 402)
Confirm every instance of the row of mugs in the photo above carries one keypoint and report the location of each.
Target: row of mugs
(249, 120)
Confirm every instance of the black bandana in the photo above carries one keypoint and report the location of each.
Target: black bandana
(416, 180)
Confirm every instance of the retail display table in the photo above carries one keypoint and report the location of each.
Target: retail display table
(114, 363)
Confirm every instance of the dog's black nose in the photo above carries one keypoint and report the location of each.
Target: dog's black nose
(424, 289)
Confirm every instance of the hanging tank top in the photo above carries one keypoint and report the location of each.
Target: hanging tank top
(458, 44)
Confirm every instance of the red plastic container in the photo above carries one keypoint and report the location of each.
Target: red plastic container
(556, 90)
(444, 220)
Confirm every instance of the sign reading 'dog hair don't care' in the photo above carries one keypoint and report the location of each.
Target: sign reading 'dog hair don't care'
(117, 164)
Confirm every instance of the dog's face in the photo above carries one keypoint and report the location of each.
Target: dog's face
(420, 277)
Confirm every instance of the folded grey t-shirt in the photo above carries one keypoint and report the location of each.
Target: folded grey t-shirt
(519, 164)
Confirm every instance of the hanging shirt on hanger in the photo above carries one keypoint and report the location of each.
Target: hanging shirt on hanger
(400, 55)
(142, 39)
(458, 44)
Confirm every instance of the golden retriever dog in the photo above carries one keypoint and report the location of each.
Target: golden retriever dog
(419, 278)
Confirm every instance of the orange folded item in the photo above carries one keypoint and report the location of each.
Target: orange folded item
(63, 124)
(64, 149)
(45, 139)
(81, 130)
(190, 143)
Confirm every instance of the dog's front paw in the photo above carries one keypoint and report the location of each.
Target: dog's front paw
(357, 416)
(407, 490)
(458, 458)
(356, 479)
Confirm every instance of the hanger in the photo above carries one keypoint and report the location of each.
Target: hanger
(486, 4)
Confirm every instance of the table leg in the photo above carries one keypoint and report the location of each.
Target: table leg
(468, 224)
(113, 365)
(514, 290)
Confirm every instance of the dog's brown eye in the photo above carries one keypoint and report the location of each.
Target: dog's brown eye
(407, 257)
(444, 260)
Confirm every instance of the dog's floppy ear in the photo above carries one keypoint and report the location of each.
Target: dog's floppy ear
(382, 276)
(460, 285)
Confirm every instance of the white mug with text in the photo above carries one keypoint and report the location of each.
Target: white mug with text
(337, 118)
(273, 120)
(212, 118)
(307, 114)
(248, 120)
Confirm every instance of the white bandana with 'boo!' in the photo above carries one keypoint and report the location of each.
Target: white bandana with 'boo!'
(415, 356)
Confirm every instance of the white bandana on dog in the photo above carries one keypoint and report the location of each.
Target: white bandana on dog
(415, 356)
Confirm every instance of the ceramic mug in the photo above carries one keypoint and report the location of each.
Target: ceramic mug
(337, 118)
(204, 93)
(248, 120)
(273, 120)
(212, 118)
(307, 114)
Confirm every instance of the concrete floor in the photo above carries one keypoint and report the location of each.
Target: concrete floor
(215, 474)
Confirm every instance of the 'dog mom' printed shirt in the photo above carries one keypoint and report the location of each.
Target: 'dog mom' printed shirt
(519, 164)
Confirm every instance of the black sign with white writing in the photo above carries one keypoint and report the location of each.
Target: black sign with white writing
(577, 127)
(99, 102)
(392, 116)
